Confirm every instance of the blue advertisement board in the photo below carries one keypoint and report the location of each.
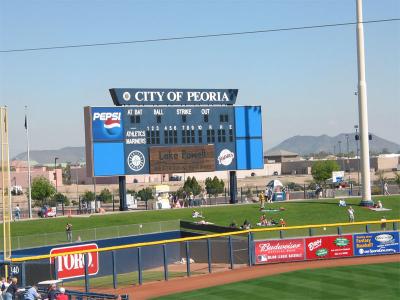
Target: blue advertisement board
(378, 243)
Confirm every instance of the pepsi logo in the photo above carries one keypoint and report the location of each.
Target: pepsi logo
(111, 122)
(112, 127)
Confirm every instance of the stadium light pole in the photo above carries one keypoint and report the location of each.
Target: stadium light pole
(363, 111)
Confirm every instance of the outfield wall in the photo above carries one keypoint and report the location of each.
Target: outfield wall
(326, 247)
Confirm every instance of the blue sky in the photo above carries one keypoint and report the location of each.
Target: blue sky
(304, 80)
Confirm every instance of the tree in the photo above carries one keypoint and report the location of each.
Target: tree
(88, 196)
(145, 194)
(42, 191)
(397, 178)
(214, 186)
(61, 198)
(192, 186)
(105, 196)
(322, 170)
(66, 176)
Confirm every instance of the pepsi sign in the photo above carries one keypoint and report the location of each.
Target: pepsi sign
(107, 124)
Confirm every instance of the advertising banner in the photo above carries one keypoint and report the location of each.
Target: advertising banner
(378, 243)
(279, 251)
(329, 247)
(72, 265)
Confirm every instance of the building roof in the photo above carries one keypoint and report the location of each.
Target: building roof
(280, 152)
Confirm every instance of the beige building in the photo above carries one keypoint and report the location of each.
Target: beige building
(19, 174)
(280, 156)
(386, 162)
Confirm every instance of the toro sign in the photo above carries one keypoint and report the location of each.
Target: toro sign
(72, 265)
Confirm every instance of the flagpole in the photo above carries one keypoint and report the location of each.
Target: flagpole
(29, 165)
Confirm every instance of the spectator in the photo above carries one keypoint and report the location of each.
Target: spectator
(261, 198)
(383, 224)
(246, 225)
(385, 189)
(68, 230)
(32, 294)
(11, 290)
(17, 213)
(350, 211)
(196, 214)
(3, 285)
(52, 292)
(61, 295)
(233, 225)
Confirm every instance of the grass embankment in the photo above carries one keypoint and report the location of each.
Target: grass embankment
(296, 213)
(377, 281)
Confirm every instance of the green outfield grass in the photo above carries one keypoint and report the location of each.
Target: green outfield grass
(296, 213)
(377, 281)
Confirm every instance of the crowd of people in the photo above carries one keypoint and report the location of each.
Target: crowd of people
(189, 200)
(10, 291)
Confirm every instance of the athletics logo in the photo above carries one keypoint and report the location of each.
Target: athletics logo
(136, 160)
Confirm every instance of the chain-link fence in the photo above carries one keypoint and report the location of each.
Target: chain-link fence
(93, 234)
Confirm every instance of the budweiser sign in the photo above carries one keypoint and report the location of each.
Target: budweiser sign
(279, 251)
(73, 265)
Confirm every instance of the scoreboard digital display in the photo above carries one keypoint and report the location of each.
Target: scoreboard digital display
(166, 139)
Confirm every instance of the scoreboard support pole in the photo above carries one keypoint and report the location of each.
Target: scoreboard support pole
(122, 193)
(233, 187)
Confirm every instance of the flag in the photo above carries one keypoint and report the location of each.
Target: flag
(26, 122)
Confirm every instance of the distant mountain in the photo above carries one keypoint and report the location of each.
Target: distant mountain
(45, 157)
(305, 145)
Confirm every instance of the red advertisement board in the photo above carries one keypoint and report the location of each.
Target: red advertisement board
(72, 265)
(329, 247)
(279, 251)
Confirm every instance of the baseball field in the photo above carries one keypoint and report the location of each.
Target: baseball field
(351, 278)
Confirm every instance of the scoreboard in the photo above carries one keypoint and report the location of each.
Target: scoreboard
(166, 139)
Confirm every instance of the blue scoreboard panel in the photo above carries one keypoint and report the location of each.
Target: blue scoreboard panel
(129, 140)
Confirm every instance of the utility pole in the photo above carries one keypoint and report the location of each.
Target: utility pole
(363, 111)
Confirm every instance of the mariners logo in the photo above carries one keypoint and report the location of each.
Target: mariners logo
(136, 160)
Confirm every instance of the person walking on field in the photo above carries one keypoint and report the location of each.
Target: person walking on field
(261, 198)
(68, 230)
(385, 189)
(350, 211)
(17, 213)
